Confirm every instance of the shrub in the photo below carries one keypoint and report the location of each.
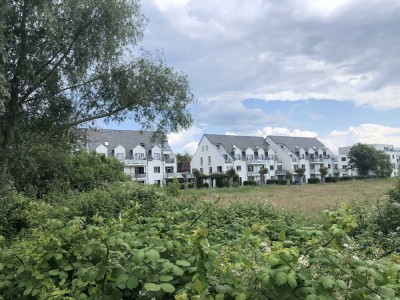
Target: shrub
(173, 188)
(345, 178)
(276, 181)
(250, 182)
(313, 180)
(331, 179)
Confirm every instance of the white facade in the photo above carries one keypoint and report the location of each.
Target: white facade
(144, 160)
(301, 152)
(247, 155)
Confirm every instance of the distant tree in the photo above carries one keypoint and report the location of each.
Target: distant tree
(185, 157)
(324, 172)
(288, 177)
(384, 167)
(301, 172)
(362, 157)
(231, 175)
(262, 173)
(367, 159)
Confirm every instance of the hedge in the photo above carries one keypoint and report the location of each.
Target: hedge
(277, 181)
(250, 182)
(313, 180)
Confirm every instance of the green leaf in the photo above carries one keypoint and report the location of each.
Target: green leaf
(54, 272)
(328, 282)
(386, 293)
(121, 280)
(167, 287)
(341, 284)
(177, 270)
(132, 282)
(151, 287)
(240, 296)
(247, 262)
(197, 286)
(183, 263)
(291, 280)
(138, 257)
(282, 235)
(153, 255)
(166, 278)
(280, 278)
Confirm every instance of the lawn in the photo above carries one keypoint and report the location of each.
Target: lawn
(310, 198)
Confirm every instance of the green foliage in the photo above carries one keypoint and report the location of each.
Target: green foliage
(185, 157)
(152, 246)
(332, 179)
(173, 187)
(367, 159)
(91, 170)
(313, 180)
(249, 183)
(276, 181)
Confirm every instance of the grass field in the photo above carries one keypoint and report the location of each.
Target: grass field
(310, 198)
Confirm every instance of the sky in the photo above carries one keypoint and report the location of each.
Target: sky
(318, 68)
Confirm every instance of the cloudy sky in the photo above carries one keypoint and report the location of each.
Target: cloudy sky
(323, 68)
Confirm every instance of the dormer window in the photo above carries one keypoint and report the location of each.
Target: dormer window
(106, 143)
(142, 144)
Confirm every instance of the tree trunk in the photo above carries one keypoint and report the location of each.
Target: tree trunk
(288, 182)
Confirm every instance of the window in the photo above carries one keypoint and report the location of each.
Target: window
(303, 167)
(302, 156)
(201, 170)
(271, 168)
(156, 156)
(210, 170)
(219, 169)
(206, 147)
(250, 169)
(343, 158)
(202, 148)
(169, 169)
(312, 167)
(250, 156)
(295, 167)
(238, 156)
(321, 165)
(238, 168)
(120, 155)
(335, 166)
(279, 168)
(329, 166)
(157, 169)
(209, 160)
(201, 161)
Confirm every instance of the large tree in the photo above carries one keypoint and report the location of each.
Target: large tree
(71, 62)
(367, 159)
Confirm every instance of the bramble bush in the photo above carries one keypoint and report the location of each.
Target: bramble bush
(153, 246)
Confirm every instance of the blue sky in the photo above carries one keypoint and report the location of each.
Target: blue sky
(323, 68)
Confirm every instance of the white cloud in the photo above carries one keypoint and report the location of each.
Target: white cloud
(185, 140)
(284, 131)
(365, 133)
(286, 50)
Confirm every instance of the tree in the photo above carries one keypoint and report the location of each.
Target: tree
(384, 167)
(324, 172)
(262, 173)
(185, 157)
(301, 172)
(288, 177)
(367, 159)
(67, 63)
(231, 176)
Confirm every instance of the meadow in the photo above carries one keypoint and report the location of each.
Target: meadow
(310, 199)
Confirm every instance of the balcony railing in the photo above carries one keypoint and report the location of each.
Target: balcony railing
(139, 176)
(169, 160)
(253, 173)
(173, 175)
(257, 161)
(134, 161)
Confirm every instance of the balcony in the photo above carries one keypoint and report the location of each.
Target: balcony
(129, 161)
(173, 175)
(169, 160)
(253, 174)
(257, 161)
(139, 176)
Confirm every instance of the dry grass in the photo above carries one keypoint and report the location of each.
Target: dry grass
(310, 199)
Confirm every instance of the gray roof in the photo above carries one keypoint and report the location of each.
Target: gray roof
(302, 142)
(128, 139)
(241, 142)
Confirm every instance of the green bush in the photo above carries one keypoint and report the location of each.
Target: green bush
(313, 180)
(331, 179)
(249, 183)
(277, 181)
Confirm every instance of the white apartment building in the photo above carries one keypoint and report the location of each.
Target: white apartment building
(390, 150)
(302, 152)
(144, 160)
(246, 154)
